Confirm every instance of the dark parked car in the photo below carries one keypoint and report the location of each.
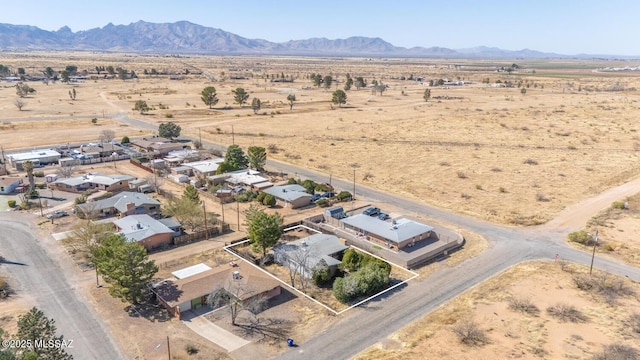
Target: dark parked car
(372, 211)
(57, 214)
(383, 216)
(316, 197)
(329, 194)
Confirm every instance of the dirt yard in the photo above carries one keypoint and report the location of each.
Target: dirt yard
(491, 152)
(511, 319)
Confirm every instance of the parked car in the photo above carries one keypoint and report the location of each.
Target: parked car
(329, 194)
(383, 216)
(316, 197)
(57, 214)
(372, 211)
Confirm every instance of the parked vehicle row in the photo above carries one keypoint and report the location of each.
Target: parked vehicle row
(374, 211)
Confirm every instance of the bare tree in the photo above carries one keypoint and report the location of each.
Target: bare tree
(237, 296)
(87, 235)
(297, 260)
(107, 135)
(66, 170)
(19, 104)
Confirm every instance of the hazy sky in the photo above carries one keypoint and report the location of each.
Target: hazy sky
(561, 26)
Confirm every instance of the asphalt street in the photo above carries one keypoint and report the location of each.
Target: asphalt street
(33, 272)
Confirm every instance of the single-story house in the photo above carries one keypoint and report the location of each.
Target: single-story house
(157, 145)
(204, 167)
(172, 224)
(399, 233)
(98, 150)
(294, 195)
(144, 230)
(124, 203)
(249, 178)
(9, 184)
(192, 289)
(78, 184)
(177, 157)
(307, 252)
(51, 177)
(182, 170)
(37, 157)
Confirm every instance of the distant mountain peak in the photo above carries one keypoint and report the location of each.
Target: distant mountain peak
(187, 37)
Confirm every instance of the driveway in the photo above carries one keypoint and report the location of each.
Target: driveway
(198, 323)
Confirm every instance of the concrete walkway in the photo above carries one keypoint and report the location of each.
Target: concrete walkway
(212, 332)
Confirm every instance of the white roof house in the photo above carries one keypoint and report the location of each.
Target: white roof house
(44, 156)
(249, 178)
(140, 227)
(400, 231)
(293, 194)
(205, 167)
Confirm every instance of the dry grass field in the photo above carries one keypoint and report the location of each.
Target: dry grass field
(531, 311)
(493, 153)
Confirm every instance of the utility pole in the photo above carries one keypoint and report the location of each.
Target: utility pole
(595, 243)
(233, 136)
(40, 200)
(204, 211)
(200, 134)
(353, 198)
(168, 348)
(238, 212)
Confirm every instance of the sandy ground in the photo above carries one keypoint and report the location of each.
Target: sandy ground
(513, 334)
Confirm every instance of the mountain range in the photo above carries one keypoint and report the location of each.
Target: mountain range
(184, 37)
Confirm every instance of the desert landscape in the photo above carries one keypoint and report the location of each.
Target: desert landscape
(561, 132)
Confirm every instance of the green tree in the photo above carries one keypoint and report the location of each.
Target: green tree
(126, 267)
(125, 140)
(28, 167)
(49, 72)
(523, 91)
(236, 158)
(72, 69)
(360, 83)
(291, 98)
(65, 75)
(257, 157)
(191, 193)
(169, 130)
(186, 211)
(327, 81)
(269, 200)
(317, 80)
(348, 84)
(321, 273)
(240, 96)
(255, 105)
(21, 71)
(339, 97)
(122, 74)
(23, 90)
(111, 70)
(35, 326)
(264, 231)
(209, 96)
(427, 95)
(351, 260)
(141, 106)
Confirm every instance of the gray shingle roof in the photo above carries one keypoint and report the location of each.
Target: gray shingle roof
(140, 227)
(288, 192)
(120, 201)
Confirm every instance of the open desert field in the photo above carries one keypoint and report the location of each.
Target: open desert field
(490, 152)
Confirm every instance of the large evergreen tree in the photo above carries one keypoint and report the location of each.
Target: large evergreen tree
(126, 267)
(339, 97)
(169, 130)
(240, 96)
(209, 96)
(37, 329)
(264, 230)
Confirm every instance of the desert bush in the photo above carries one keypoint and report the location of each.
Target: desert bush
(343, 196)
(566, 313)
(608, 247)
(634, 322)
(530, 162)
(470, 333)
(260, 197)
(191, 349)
(502, 189)
(611, 288)
(523, 305)
(324, 202)
(41, 185)
(496, 169)
(38, 174)
(11, 203)
(617, 352)
(541, 197)
(168, 115)
(618, 205)
(461, 175)
(582, 282)
(581, 237)
(269, 200)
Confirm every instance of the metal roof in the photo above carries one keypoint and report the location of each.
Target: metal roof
(288, 192)
(190, 271)
(397, 231)
(140, 227)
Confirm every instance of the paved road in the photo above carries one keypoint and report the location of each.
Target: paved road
(51, 286)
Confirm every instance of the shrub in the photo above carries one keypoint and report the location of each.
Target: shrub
(461, 175)
(191, 349)
(168, 116)
(260, 197)
(470, 333)
(41, 186)
(634, 322)
(351, 260)
(343, 196)
(125, 140)
(566, 313)
(617, 352)
(38, 174)
(269, 200)
(292, 181)
(581, 237)
(615, 205)
(11, 203)
(608, 247)
(530, 162)
(523, 305)
(324, 202)
(80, 199)
(321, 274)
